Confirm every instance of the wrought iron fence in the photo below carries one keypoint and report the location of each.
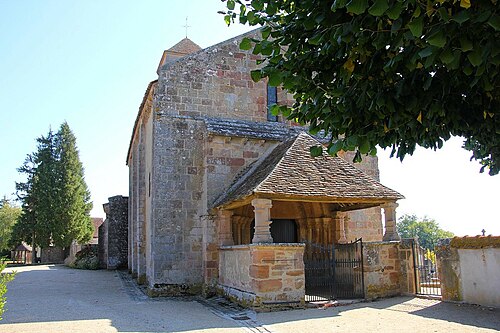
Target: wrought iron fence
(334, 271)
(425, 271)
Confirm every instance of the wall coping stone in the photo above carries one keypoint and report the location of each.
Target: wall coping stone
(263, 245)
(382, 243)
(477, 242)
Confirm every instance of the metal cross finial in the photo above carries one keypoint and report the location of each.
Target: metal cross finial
(186, 26)
(483, 231)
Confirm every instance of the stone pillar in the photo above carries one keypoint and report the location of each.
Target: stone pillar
(339, 219)
(225, 227)
(391, 231)
(262, 211)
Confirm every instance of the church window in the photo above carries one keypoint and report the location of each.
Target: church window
(272, 98)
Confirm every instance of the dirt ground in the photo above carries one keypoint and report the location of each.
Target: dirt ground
(50, 298)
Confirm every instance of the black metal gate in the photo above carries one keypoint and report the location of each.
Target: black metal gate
(334, 271)
(425, 271)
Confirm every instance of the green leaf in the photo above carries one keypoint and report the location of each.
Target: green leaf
(475, 58)
(465, 44)
(275, 79)
(252, 19)
(230, 4)
(334, 148)
(438, 39)
(426, 52)
(309, 24)
(364, 146)
(447, 56)
(394, 11)
(275, 109)
(462, 16)
(494, 22)
(256, 75)
(416, 26)
(246, 44)
(227, 19)
(266, 31)
(257, 4)
(316, 151)
(357, 6)
(316, 39)
(467, 70)
(378, 8)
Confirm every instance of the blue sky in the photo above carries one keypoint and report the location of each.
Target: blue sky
(89, 63)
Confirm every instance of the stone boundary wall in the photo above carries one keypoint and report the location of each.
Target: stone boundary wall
(263, 276)
(469, 269)
(388, 269)
(113, 246)
(53, 255)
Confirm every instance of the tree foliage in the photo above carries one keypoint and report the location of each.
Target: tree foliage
(426, 230)
(9, 215)
(55, 198)
(397, 73)
(4, 279)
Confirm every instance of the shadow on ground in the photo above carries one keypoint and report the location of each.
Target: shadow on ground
(54, 298)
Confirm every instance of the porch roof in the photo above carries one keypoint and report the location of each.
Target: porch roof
(290, 173)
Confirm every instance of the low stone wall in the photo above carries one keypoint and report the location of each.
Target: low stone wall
(469, 269)
(388, 269)
(263, 276)
(53, 255)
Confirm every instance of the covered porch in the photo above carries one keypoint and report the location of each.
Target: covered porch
(288, 199)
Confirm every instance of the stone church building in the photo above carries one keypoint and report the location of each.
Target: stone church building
(223, 195)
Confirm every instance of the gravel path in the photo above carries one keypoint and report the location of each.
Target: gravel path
(50, 298)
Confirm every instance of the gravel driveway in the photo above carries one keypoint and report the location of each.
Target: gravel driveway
(53, 298)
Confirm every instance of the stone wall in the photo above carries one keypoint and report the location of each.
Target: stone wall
(53, 255)
(177, 205)
(382, 269)
(469, 268)
(263, 276)
(226, 157)
(113, 246)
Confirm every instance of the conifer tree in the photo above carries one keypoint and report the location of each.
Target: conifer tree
(74, 205)
(55, 198)
(37, 194)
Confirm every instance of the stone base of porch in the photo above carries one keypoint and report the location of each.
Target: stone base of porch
(254, 302)
(164, 289)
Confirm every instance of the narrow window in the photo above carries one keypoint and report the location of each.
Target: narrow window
(149, 185)
(272, 98)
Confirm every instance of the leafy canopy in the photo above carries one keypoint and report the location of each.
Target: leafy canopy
(4, 279)
(397, 73)
(9, 215)
(426, 230)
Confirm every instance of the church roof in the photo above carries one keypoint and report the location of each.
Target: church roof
(186, 46)
(150, 87)
(289, 172)
(251, 129)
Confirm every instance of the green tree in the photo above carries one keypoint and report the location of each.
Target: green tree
(4, 279)
(393, 73)
(55, 199)
(37, 195)
(9, 215)
(426, 230)
(73, 201)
